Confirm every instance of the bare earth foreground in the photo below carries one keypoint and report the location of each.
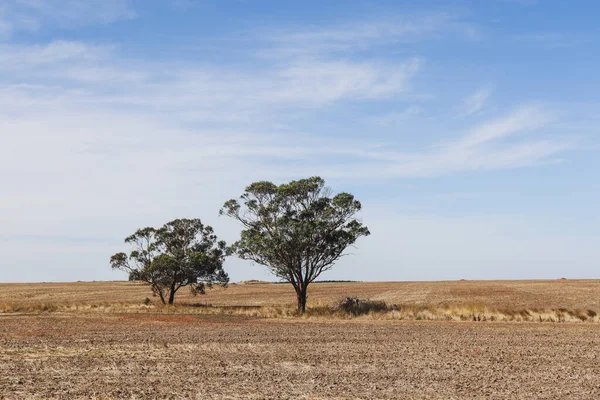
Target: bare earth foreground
(106, 353)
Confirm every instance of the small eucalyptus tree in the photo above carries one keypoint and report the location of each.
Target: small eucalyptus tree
(296, 229)
(183, 252)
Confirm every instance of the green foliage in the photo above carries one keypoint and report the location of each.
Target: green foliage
(296, 229)
(183, 252)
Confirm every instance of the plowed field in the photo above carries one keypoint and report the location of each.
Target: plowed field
(110, 354)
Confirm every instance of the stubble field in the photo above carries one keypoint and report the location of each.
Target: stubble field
(97, 340)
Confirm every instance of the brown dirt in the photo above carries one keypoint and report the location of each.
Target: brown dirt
(127, 351)
(70, 356)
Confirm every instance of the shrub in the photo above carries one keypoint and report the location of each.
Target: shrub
(356, 306)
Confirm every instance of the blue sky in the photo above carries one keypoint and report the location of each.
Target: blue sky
(468, 129)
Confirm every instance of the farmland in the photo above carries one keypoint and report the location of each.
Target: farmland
(98, 340)
(510, 294)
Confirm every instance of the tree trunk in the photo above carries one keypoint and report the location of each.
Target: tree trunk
(301, 295)
(160, 294)
(172, 291)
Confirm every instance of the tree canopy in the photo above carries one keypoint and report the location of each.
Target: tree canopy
(295, 229)
(183, 252)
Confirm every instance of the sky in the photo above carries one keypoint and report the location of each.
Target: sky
(469, 130)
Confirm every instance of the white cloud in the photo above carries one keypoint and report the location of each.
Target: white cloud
(524, 119)
(501, 143)
(22, 57)
(94, 144)
(388, 28)
(520, 2)
(550, 40)
(71, 166)
(31, 15)
(76, 11)
(329, 81)
(207, 90)
(475, 102)
(397, 118)
(182, 5)
(103, 75)
(88, 125)
(369, 32)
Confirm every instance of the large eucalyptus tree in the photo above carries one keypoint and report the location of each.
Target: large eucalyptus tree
(298, 230)
(183, 252)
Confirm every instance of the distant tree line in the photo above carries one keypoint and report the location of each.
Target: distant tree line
(297, 229)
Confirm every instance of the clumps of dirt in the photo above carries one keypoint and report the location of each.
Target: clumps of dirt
(113, 356)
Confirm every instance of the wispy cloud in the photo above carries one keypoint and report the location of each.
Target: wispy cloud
(384, 28)
(182, 5)
(19, 57)
(200, 91)
(369, 32)
(332, 80)
(524, 119)
(523, 3)
(550, 40)
(31, 15)
(396, 118)
(98, 143)
(234, 105)
(501, 143)
(475, 102)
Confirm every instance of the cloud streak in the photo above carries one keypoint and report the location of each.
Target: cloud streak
(500, 143)
(366, 33)
(33, 15)
(475, 102)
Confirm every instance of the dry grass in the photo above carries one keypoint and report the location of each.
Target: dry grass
(570, 294)
(456, 312)
(537, 301)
